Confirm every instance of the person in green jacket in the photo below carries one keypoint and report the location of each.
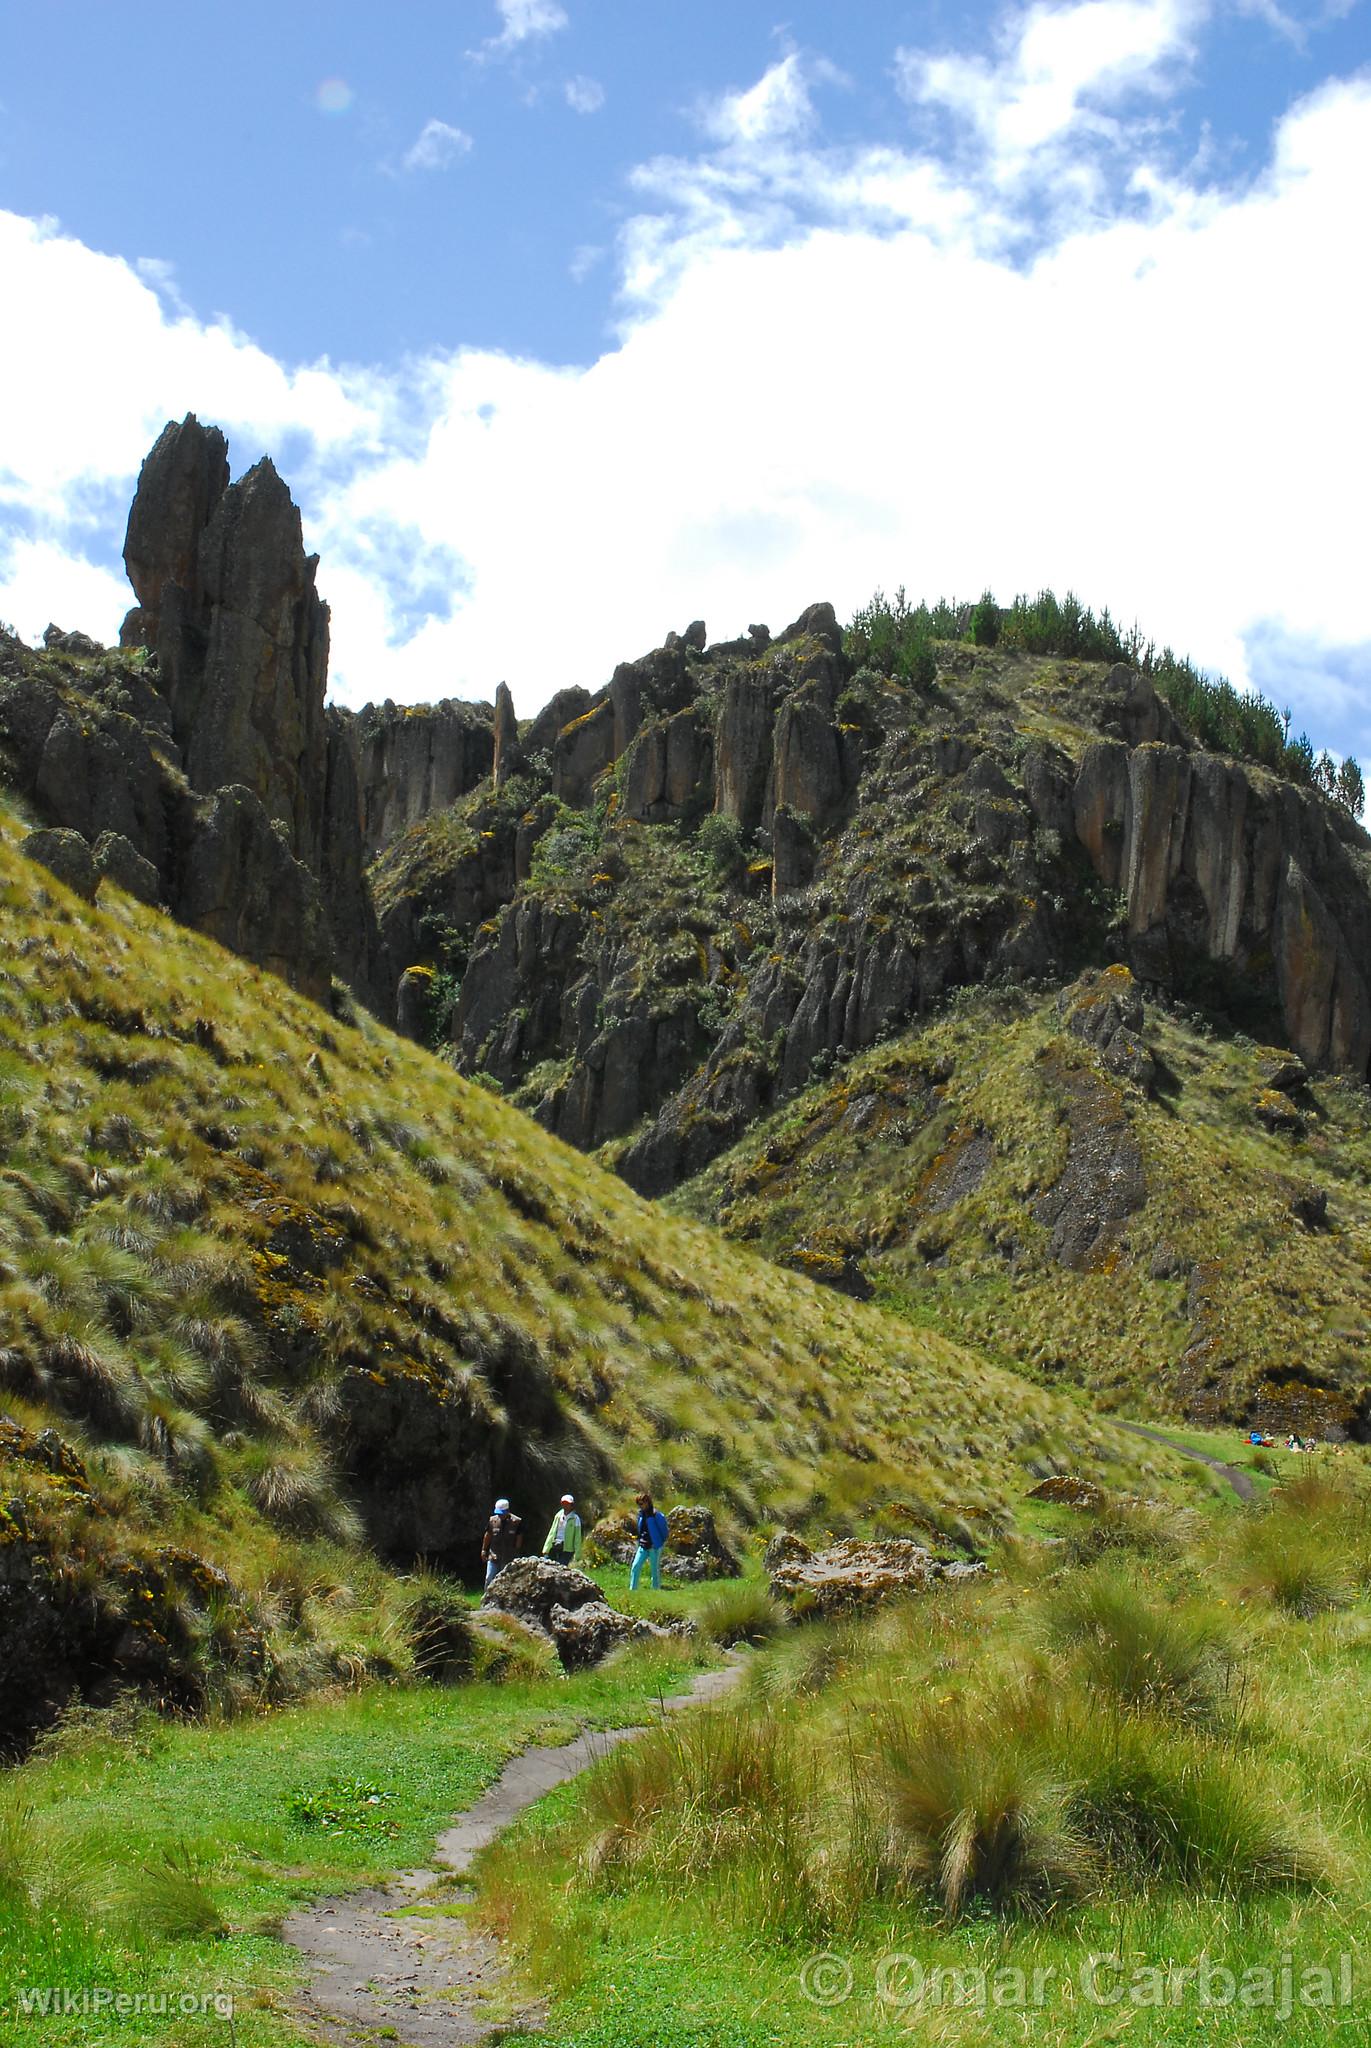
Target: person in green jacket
(563, 1543)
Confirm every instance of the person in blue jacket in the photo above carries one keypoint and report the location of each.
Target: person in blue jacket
(652, 1531)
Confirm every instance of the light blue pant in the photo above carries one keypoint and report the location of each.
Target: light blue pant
(635, 1570)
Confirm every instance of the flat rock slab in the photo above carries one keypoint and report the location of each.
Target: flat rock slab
(384, 1970)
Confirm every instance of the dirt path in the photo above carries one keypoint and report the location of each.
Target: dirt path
(1240, 1481)
(384, 1970)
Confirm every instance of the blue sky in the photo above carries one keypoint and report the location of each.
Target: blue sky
(570, 320)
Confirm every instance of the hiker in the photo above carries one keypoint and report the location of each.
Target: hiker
(504, 1539)
(652, 1534)
(563, 1543)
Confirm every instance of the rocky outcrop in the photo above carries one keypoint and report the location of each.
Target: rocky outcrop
(240, 885)
(583, 750)
(852, 1575)
(1217, 861)
(66, 855)
(670, 772)
(506, 758)
(1102, 1183)
(743, 747)
(1106, 1010)
(179, 488)
(415, 759)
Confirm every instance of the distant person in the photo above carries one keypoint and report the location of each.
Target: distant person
(652, 1534)
(563, 1543)
(503, 1540)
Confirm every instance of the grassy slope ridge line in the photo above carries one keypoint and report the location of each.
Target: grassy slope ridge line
(285, 1283)
(1228, 1292)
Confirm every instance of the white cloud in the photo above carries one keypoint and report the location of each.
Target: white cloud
(524, 21)
(1061, 75)
(43, 585)
(831, 376)
(437, 146)
(778, 106)
(584, 95)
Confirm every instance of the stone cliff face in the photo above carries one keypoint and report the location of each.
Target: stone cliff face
(890, 848)
(655, 908)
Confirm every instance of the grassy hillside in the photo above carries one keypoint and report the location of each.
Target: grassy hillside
(282, 1296)
(1227, 1277)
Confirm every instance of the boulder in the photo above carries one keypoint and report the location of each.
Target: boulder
(584, 1635)
(566, 1607)
(1277, 1113)
(1281, 1071)
(120, 862)
(1067, 1490)
(64, 854)
(530, 1588)
(854, 1574)
(694, 1549)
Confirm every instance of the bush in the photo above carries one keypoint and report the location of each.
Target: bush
(720, 841)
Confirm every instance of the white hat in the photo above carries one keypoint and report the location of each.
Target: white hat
(567, 1501)
(502, 1507)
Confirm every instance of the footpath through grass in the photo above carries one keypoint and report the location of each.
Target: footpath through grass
(147, 1859)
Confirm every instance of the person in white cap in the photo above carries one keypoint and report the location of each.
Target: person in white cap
(563, 1543)
(503, 1540)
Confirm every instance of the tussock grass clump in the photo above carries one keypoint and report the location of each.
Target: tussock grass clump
(1173, 1657)
(1173, 1804)
(170, 1897)
(978, 1807)
(1292, 1568)
(740, 1611)
(1308, 1548)
(723, 1792)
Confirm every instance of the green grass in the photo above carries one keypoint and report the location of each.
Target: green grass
(946, 1783)
(1211, 1302)
(143, 1856)
(265, 1272)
